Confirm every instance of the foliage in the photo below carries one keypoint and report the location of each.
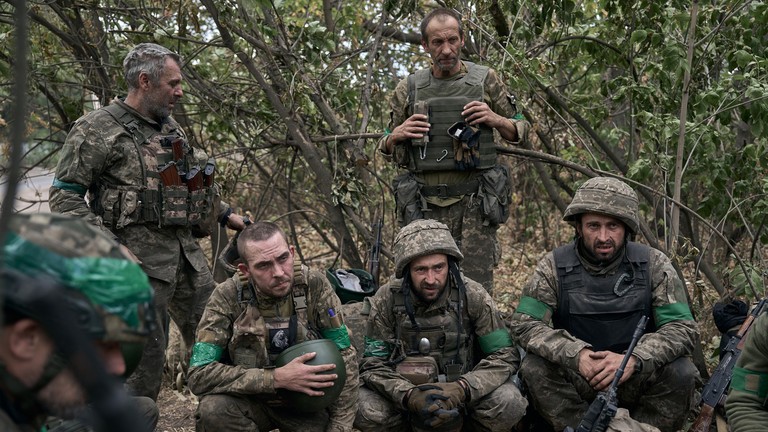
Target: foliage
(281, 91)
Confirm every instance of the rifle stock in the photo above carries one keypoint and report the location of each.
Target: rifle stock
(716, 390)
(373, 264)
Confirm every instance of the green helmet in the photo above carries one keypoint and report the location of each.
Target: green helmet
(110, 294)
(423, 237)
(327, 352)
(606, 195)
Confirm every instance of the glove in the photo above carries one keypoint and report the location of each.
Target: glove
(455, 392)
(423, 399)
(443, 417)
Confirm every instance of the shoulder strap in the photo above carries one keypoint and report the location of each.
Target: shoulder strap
(131, 124)
(476, 73)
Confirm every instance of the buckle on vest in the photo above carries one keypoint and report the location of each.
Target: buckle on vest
(442, 191)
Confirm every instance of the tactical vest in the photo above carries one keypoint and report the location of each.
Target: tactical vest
(261, 333)
(176, 204)
(446, 100)
(452, 351)
(603, 310)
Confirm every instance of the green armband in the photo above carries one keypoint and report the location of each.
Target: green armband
(750, 381)
(534, 308)
(339, 336)
(204, 353)
(72, 187)
(672, 312)
(376, 348)
(495, 341)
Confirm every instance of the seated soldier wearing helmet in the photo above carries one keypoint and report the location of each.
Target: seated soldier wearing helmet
(72, 300)
(437, 353)
(580, 309)
(246, 366)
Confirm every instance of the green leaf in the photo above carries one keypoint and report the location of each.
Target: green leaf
(638, 36)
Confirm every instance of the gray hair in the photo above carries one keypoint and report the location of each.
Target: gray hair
(148, 58)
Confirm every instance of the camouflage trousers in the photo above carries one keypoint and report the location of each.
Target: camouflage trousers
(240, 413)
(498, 411)
(182, 299)
(477, 242)
(661, 398)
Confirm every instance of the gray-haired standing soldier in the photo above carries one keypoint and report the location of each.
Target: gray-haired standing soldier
(445, 122)
(422, 368)
(580, 308)
(149, 190)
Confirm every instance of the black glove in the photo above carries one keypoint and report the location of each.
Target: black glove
(422, 398)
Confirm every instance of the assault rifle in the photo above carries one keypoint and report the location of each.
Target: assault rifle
(603, 408)
(373, 264)
(716, 390)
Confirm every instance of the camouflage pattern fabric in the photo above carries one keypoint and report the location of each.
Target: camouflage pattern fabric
(747, 404)
(605, 195)
(672, 342)
(97, 153)
(250, 391)
(478, 243)
(495, 403)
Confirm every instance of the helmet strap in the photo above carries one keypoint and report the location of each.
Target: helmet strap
(26, 397)
(407, 300)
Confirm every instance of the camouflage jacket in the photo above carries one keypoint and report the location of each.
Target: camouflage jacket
(495, 366)
(747, 404)
(218, 374)
(99, 150)
(674, 337)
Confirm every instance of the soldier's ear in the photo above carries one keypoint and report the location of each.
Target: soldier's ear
(243, 268)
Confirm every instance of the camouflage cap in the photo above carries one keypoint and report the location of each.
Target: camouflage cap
(423, 237)
(87, 262)
(606, 195)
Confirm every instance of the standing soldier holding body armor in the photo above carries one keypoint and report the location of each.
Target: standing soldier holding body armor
(747, 403)
(578, 313)
(272, 349)
(56, 268)
(444, 125)
(151, 191)
(437, 353)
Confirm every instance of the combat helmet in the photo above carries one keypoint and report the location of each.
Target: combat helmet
(109, 293)
(423, 237)
(326, 352)
(606, 195)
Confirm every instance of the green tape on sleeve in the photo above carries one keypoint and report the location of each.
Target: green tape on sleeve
(72, 187)
(536, 309)
(339, 336)
(495, 341)
(204, 353)
(376, 348)
(750, 381)
(672, 312)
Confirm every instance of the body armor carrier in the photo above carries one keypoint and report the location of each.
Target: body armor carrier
(262, 332)
(172, 195)
(603, 309)
(447, 329)
(446, 100)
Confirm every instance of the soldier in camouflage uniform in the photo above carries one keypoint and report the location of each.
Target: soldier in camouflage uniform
(454, 177)
(122, 156)
(437, 353)
(747, 404)
(579, 311)
(54, 261)
(271, 304)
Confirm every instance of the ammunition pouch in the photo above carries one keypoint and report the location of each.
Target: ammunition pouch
(409, 202)
(418, 369)
(495, 195)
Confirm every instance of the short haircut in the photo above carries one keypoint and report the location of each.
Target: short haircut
(255, 232)
(148, 58)
(440, 13)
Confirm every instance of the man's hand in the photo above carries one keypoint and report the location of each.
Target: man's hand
(413, 128)
(300, 377)
(476, 113)
(599, 368)
(455, 392)
(235, 222)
